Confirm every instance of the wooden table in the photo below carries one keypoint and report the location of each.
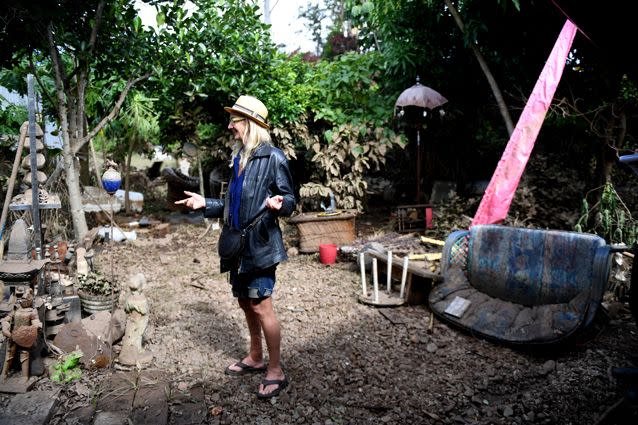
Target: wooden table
(418, 280)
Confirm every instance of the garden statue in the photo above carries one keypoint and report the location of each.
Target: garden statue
(21, 327)
(82, 266)
(136, 307)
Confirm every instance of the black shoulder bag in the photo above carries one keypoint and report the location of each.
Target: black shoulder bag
(231, 240)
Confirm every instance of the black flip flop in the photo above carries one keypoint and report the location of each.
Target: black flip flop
(283, 383)
(243, 369)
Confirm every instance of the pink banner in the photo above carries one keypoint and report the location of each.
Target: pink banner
(500, 192)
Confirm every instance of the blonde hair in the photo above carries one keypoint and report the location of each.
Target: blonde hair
(254, 136)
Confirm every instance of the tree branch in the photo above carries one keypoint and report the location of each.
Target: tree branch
(98, 20)
(37, 78)
(496, 91)
(59, 90)
(111, 116)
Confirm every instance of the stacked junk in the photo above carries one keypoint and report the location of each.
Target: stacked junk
(41, 311)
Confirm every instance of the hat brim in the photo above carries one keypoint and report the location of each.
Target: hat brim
(259, 122)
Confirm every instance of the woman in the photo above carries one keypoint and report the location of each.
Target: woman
(260, 180)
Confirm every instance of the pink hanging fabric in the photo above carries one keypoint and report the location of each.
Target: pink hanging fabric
(499, 193)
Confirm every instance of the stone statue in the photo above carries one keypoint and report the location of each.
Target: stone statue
(82, 266)
(136, 307)
(21, 327)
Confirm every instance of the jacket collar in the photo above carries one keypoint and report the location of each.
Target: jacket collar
(263, 150)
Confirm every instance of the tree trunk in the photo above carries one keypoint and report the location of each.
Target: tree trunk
(127, 175)
(75, 197)
(72, 176)
(85, 170)
(502, 107)
(71, 113)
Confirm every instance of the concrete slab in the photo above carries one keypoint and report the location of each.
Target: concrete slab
(16, 384)
(188, 408)
(81, 415)
(111, 418)
(33, 408)
(150, 405)
(117, 393)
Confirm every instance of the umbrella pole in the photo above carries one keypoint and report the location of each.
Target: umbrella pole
(418, 165)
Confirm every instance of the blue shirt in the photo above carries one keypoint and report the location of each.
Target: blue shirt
(236, 186)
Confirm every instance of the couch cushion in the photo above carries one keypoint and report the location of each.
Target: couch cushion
(505, 320)
(529, 266)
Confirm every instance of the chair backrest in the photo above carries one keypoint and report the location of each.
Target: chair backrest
(535, 267)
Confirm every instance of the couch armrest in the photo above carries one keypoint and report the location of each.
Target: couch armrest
(454, 251)
(601, 268)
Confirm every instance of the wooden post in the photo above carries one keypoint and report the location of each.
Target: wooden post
(375, 280)
(362, 266)
(404, 275)
(389, 272)
(12, 179)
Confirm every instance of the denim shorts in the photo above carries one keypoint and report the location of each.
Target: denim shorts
(256, 284)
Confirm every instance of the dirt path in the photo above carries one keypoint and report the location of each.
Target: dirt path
(347, 362)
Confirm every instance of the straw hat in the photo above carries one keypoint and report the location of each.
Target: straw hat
(250, 107)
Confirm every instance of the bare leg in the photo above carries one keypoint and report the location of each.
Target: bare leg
(265, 313)
(255, 355)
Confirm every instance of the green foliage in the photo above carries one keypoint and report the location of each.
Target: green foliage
(349, 153)
(11, 118)
(211, 62)
(96, 284)
(67, 369)
(136, 128)
(628, 89)
(609, 218)
(351, 118)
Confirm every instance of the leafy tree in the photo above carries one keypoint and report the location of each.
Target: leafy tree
(11, 118)
(136, 131)
(351, 114)
(73, 42)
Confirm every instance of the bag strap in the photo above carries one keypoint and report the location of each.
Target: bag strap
(254, 221)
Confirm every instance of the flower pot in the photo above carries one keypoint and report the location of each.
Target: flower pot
(95, 303)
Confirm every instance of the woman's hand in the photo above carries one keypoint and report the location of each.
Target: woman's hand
(275, 202)
(194, 201)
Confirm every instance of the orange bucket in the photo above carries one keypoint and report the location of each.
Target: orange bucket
(327, 253)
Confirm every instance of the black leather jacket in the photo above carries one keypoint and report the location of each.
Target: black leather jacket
(266, 174)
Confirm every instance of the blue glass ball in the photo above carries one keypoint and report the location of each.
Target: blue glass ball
(111, 181)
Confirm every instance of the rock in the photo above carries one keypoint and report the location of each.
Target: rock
(548, 367)
(508, 411)
(292, 251)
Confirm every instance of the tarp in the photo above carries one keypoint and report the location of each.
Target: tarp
(499, 193)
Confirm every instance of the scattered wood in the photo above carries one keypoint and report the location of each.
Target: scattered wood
(432, 241)
(430, 256)
(197, 285)
(431, 324)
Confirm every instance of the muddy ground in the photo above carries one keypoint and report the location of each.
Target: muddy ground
(348, 362)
